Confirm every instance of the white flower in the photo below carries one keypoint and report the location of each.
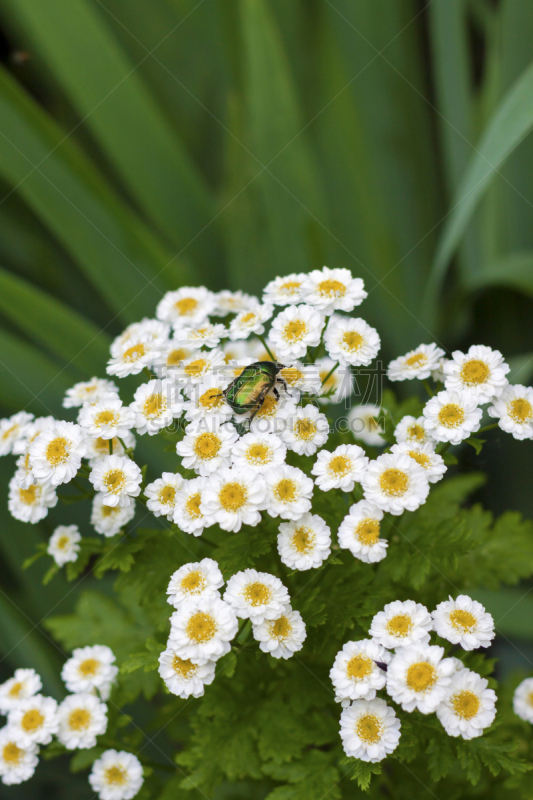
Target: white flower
(150, 330)
(90, 668)
(480, 373)
(64, 544)
(294, 330)
(199, 365)
(359, 670)
(464, 621)
(250, 321)
(419, 677)
(202, 629)
(425, 456)
(98, 448)
(108, 520)
(395, 482)
(352, 341)
(134, 354)
(107, 418)
(33, 720)
(452, 416)
(283, 636)
(188, 514)
(418, 363)
(88, 392)
(514, 411)
(188, 305)
(232, 302)
(30, 504)
(301, 379)
(29, 431)
(23, 476)
(12, 429)
(118, 478)
(469, 706)
(333, 290)
(340, 469)
(82, 717)
(17, 763)
(116, 775)
(56, 453)
(401, 624)
(523, 700)
(286, 290)
(183, 677)
(155, 405)
(272, 416)
(304, 543)
(172, 357)
(203, 334)
(162, 494)
(359, 533)
(24, 683)
(305, 430)
(194, 579)
(206, 447)
(289, 492)
(234, 497)
(258, 452)
(412, 430)
(336, 381)
(370, 730)
(363, 421)
(206, 401)
(256, 595)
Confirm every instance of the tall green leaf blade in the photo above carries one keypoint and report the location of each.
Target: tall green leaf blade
(515, 271)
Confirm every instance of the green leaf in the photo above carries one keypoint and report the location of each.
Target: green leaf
(514, 271)
(476, 443)
(362, 773)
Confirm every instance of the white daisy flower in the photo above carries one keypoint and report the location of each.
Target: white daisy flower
(186, 306)
(333, 290)
(359, 533)
(412, 430)
(206, 400)
(118, 478)
(155, 405)
(283, 636)
(464, 621)
(196, 368)
(82, 717)
(425, 456)
(30, 504)
(162, 494)
(17, 763)
(256, 595)
(29, 432)
(151, 330)
(301, 379)
(194, 579)
(251, 320)
(438, 374)
(480, 373)
(202, 629)
(452, 416)
(88, 392)
(134, 355)
(258, 451)
(116, 775)
(359, 670)
(23, 476)
(98, 448)
(294, 330)
(56, 453)
(203, 334)
(272, 416)
(468, 707)
(305, 429)
(401, 624)
(352, 341)
(34, 720)
(241, 350)
(183, 677)
(108, 520)
(234, 497)
(107, 418)
(289, 492)
(64, 545)
(173, 355)
(370, 730)
(207, 446)
(188, 515)
(285, 290)
(24, 683)
(514, 411)
(304, 543)
(364, 423)
(340, 469)
(232, 302)
(11, 429)
(523, 700)
(89, 669)
(418, 363)
(419, 677)
(394, 482)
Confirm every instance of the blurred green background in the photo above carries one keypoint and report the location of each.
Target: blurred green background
(154, 143)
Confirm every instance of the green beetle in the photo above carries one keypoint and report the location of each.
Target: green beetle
(248, 391)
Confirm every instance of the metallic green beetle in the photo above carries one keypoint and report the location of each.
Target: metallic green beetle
(248, 391)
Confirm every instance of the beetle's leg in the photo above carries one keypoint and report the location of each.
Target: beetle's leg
(284, 384)
(275, 392)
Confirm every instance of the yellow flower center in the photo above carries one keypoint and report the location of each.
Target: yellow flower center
(183, 666)
(420, 458)
(416, 432)
(291, 375)
(233, 496)
(213, 398)
(339, 466)
(421, 676)
(295, 330)
(116, 776)
(134, 353)
(207, 445)
(193, 582)
(352, 340)
(154, 405)
(269, 407)
(368, 531)
(303, 540)
(359, 667)
(259, 454)
(89, 667)
(201, 627)
(29, 495)
(32, 720)
(79, 719)
(465, 704)
(57, 451)
(416, 360)
(62, 542)
(463, 620)
(106, 417)
(12, 754)
(474, 372)
(195, 368)
(248, 317)
(394, 482)
(167, 495)
(520, 410)
(193, 505)
(16, 689)
(451, 415)
(257, 594)
(109, 511)
(529, 699)
(6, 434)
(304, 429)
(114, 480)
(289, 287)
(400, 625)
(281, 628)
(175, 357)
(286, 491)
(369, 728)
(331, 288)
(186, 306)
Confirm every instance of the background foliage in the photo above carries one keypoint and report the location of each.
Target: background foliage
(149, 144)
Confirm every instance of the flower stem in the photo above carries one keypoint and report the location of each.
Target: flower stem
(428, 388)
(330, 373)
(267, 348)
(487, 427)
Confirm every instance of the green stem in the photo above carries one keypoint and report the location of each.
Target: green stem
(330, 373)
(428, 388)
(319, 345)
(111, 446)
(127, 450)
(267, 348)
(443, 449)
(487, 428)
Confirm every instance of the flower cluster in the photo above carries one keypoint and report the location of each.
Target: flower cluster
(416, 676)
